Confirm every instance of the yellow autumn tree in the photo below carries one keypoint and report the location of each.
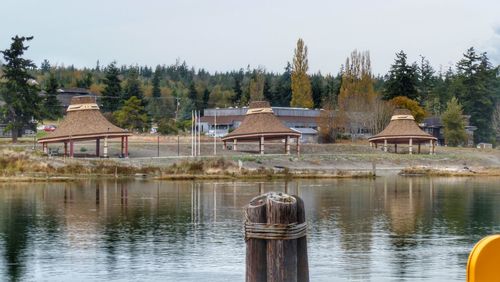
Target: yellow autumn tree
(301, 85)
(406, 103)
(357, 96)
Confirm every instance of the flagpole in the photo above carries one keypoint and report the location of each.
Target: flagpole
(199, 134)
(215, 132)
(192, 131)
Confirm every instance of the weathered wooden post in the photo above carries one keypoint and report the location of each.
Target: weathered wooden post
(256, 248)
(275, 233)
(302, 259)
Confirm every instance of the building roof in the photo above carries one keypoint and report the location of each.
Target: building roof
(401, 129)
(260, 121)
(221, 120)
(83, 121)
(305, 130)
(80, 91)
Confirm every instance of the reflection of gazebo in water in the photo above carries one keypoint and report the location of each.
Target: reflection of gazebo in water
(261, 124)
(84, 122)
(403, 130)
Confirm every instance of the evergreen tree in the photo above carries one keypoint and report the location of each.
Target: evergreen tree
(301, 85)
(442, 93)
(206, 97)
(426, 81)
(132, 115)
(133, 87)
(454, 125)
(283, 94)
(318, 89)
(45, 66)
(477, 94)
(18, 88)
(156, 83)
(51, 106)
(402, 79)
(112, 89)
(238, 78)
(193, 96)
(268, 95)
(86, 82)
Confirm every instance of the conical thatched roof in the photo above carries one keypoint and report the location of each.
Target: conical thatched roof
(401, 128)
(83, 121)
(260, 121)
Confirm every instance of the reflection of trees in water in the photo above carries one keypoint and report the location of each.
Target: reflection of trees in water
(17, 220)
(162, 220)
(19, 223)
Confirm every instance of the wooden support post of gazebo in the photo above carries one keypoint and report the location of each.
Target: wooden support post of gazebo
(287, 145)
(261, 145)
(105, 147)
(298, 145)
(418, 148)
(65, 149)
(97, 147)
(410, 146)
(122, 145)
(396, 148)
(385, 145)
(126, 147)
(235, 141)
(71, 148)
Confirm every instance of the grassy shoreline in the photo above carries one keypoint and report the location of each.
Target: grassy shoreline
(320, 161)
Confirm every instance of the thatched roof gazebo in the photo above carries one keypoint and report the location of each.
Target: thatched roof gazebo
(83, 122)
(403, 129)
(261, 124)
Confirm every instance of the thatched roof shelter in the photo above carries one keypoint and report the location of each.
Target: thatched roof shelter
(261, 124)
(84, 121)
(403, 129)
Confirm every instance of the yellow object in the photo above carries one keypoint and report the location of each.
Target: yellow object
(484, 260)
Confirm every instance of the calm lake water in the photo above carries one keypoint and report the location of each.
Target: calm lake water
(388, 229)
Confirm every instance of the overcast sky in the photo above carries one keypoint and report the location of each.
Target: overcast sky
(221, 35)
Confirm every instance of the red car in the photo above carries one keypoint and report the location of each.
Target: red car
(49, 128)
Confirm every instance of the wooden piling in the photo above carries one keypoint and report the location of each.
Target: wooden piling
(275, 232)
(281, 254)
(256, 248)
(302, 259)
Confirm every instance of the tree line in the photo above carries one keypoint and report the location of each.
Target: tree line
(353, 100)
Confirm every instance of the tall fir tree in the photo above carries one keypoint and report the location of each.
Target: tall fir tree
(193, 96)
(402, 79)
(318, 88)
(206, 97)
(283, 95)
(52, 108)
(111, 96)
(18, 88)
(156, 93)
(301, 85)
(426, 81)
(477, 94)
(238, 78)
(133, 87)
